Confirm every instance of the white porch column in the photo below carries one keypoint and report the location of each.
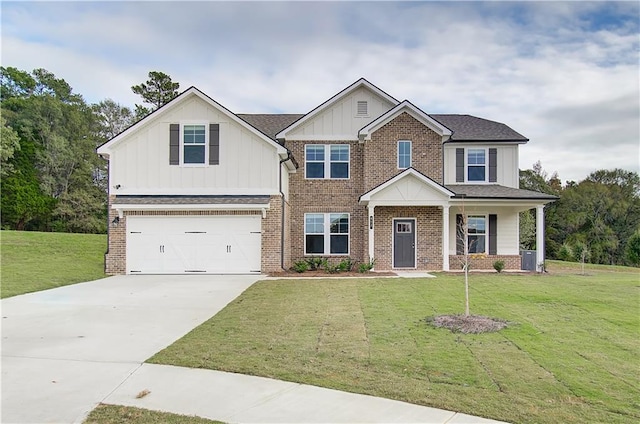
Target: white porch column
(445, 238)
(539, 237)
(371, 224)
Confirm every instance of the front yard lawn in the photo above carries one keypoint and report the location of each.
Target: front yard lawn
(570, 355)
(33, 261)
(115, 414)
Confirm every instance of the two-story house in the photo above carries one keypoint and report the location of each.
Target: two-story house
(195, 188)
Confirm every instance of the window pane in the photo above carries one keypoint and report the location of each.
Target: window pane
(193, 154)
(475, 157)
(315, 152)
(339, 223)
(476, 243)
(314, 223)
(194, 134)
(315, 244)
(477, 224)
(476, 173)
(315, 170)
(339, 245)
(340, 170)
(340, 153)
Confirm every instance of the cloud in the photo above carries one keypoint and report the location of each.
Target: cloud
(565, 74)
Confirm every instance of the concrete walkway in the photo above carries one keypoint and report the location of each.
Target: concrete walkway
(66, 350)
(237, 398)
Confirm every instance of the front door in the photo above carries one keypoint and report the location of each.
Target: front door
(404, 243)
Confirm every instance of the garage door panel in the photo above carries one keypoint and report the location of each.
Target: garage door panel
(170, 245)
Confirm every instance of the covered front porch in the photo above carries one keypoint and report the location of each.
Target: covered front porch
(415, 223)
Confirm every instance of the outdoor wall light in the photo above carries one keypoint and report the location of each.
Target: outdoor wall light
(115, 221)
(371, 222)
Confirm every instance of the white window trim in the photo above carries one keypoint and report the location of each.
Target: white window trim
(327, 234)
(466, 165)
(410, 154)
(327, 161)
(206, 144)
(486, 232)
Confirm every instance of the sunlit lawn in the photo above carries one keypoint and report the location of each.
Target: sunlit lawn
(33, 261)
(114, 414)
(571, 353)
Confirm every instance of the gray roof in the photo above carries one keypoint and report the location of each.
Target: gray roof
(495, 191)
(190, 200)
(464, 127)
(270, 124)
(472, 128)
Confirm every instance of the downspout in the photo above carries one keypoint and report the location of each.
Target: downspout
(282, 209)
(104, 259)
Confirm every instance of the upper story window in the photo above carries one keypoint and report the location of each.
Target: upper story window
(327, 161)
(404, 154)
(326, 233)
(476, 165)
(194, 144)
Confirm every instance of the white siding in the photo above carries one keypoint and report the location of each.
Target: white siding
(507, 156)
(409, 191)
(140, 163)
(507, 231)
(340, 121)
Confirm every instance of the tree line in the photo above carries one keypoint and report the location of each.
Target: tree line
(53, 180)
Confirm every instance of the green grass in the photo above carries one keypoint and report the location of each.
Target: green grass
(571, 354)
(33, 261)
(114, 414)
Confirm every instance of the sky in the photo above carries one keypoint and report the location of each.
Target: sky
(564, 74)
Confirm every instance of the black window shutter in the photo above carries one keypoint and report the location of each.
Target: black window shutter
(493, 234)
(214, 144)
(460, 165)
(459, 235)
(174, 144)
(493, 165)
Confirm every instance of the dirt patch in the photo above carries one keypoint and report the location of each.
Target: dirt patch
(472, 324)
(324, 274)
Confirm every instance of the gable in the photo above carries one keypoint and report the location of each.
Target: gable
(409, 188)
(342, 116)
(141, 160)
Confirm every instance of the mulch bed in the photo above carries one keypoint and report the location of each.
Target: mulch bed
(472, 324)
(324, 274)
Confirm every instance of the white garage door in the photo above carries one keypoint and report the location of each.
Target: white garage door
(193, 244)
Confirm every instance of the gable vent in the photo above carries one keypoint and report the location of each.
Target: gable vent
(363, 108)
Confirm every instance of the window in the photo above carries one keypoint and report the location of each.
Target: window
(330, 161)
(326, 233)
(194, 144)
(477, 234)
(404, 154)
(476, 165)
(403, 227)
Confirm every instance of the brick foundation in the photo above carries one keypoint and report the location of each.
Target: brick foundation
(511, 262)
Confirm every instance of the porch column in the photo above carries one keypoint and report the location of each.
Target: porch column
(445, 238)
(539, 237)
(370, 225)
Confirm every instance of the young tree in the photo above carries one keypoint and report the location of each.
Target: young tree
(156, 91)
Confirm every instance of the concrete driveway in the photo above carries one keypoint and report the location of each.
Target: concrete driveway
(65, 350)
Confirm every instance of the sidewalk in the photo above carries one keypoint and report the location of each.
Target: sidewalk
(237, 398)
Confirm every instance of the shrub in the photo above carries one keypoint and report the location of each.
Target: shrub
(346, 265)
(300, 266)
(316, 263)
(331, 269)
(498, 265)
(565, 253)
(365, 267)
(633, 249)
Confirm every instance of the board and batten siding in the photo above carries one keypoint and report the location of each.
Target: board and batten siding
(507, 228)
(507, 163)
(341, 121)
(248, 164)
